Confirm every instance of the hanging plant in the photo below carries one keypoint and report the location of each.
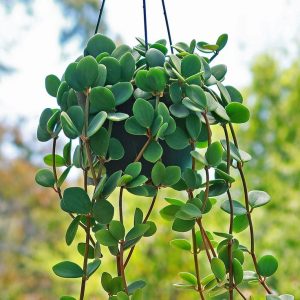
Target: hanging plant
(144, 121)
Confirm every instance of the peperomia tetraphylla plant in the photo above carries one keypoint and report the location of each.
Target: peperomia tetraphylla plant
(143, 120)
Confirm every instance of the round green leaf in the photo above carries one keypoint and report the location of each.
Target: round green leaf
(113, 68)
(219, 71)
(183, 225)
(222, 41)
(175, 92)
(155, 58)
(179, 110)
(156, 79)
(238, 273)
(238, 208)
(214, 154)
(104, 237)
(237, 112)
(133, 127)
(171, 175)
(116, 228)
(72, 230)
(240, 223)
(196, 94)
(76, 115)
(52, 84)
(99, 44)
(101, 98)
(152, 229)
(99, 142)
(158, 173)
(153, 152)
(178, 139)
(193, 126)
(267, 265)
(134, 169)
(136, 232)
(218, 268)
(127, 64)
(235, 95)
(76, 200)
(115, 150)
(45, 177)
(103, 211)
(188, 277)
(96, 123)
(143, 112)
(122, 92)
(92, 267)
(181, 244)
(87, 71)
(141, 81)
(68, 126)
(258, 198)
(67, 269)
(188, 212)
(190, 65)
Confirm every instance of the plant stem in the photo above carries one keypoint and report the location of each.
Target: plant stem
(214, 56)
(251, 229)
(231, 216)
(85, 260)
(241, 294)
(54, 166)
(195, 255)
(140, 154)
(144, 221)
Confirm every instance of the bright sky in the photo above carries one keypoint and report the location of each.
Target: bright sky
(33, 49)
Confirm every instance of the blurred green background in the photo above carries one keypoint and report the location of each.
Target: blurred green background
(32, 226)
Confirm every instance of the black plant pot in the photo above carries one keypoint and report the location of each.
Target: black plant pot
(134, 143)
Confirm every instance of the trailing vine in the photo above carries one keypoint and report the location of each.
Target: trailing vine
(139, 120)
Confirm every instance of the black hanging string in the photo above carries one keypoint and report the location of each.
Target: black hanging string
(145, 24)
(167, 24)
(100, 15)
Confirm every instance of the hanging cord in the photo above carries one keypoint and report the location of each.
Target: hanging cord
(167, 24)
(100, 15)
(145, 24)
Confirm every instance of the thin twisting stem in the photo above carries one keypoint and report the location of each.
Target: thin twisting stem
(167, 25)
(99, 16)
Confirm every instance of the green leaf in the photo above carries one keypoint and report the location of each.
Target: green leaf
(136, 232)
(190, 65)
(99, 44)
(63, 176)
(117, 116)
(237, 112)
(175, 92)
(188, 277)
(102, 74)
(181, 244)
(178, 139)
(143, 112)
(92, 267)
(141, 81)
(183, 225)
(134, 169)
(156, 79)
(136, 285)
(104, 237)
(238, 273)
(101, 98)
(235, 95)
(100, 141)
(111, 183)
(218, 268)
(188, 212)
(193, 126)
(155, 58)
(103, 211)
(76, 200)
(196, 94)
(87, 71)
(76, 115)
(72, 230)
(52, 84)
(45, 177)
(168, 213)
(96, 123)
(238, 208)
(127, 64)
(171, 176)
(67, 298)
(258, 198)
(219, 71)
(138, 181)
(113, 68)
(214, 154)
(153, 152)
(133, 127)
(158, 173)
(59, 160)
(116, 228)
(106, 280)
(240, 223)
(152, 229)
(67, 269)
(179, 110)
(68, 126)
(122, 92)
(122, 296)
(115, 150)
(222, 41)
(267, 265)
(81, 250)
